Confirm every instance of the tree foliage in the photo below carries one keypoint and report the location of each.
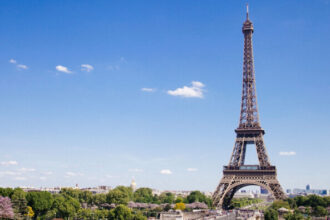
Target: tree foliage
(271, 214)
(117, 196)
(6, 209)
(143, 195)
(180, 206)
(40, 202)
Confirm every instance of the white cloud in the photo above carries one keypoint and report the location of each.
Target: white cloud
(192, 169)
(287, 153)
(20, 178)
(19, 66)
(193, 91)
(22, 67)
(10, 173)
(12, 61)
(72, 174)
(148, 90)
(166, 172)
(8, 163)
(87, 67)
(63, 69)
(137, 170)
(23, 169)
(43, 178)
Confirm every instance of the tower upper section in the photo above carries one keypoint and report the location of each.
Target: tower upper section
(249, 116)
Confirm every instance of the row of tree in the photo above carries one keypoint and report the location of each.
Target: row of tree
(303, 207)
(83, 204)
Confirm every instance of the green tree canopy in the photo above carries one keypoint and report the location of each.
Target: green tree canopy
(271, 214)
(117, 197)
(65, 206)
(6, 192)
(19, 202)
(121, 212)
(143, 195)
(167, 197)
(40, 202)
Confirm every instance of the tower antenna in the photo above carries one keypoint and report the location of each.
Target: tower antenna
(247, 11)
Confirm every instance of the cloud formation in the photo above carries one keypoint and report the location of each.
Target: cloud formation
(12, 61)
(72, 174)
(63, 69)
(287, 153)
(22, 67)
(166, 172)
(9, 163)
(87, 67)
(23, 169)
(192, 169)
(19, 66)
(148, 90)
(193, 91)
(136, 170)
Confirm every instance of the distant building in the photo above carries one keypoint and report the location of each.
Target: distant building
(133, 185)
(174, 215)
(263, 190)
(308, 191)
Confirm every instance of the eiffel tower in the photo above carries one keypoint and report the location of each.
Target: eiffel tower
(238, 174)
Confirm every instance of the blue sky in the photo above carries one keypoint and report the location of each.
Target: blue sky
(121, 115)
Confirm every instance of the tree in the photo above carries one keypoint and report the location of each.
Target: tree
(294, 216)
(167, 197)
(121, 212)
(196, 196)
(179, 199)
(6, 192)
(40, 202)
(99, 199)
(85, 196)
(65, 206)
(30, 212)
(18, 199)
(279, 204)
(127, 190)
(167, 207)
(74, 193)
(143, 195)
(117, 197)
(271, 214)
(320, 211)
(139, 216)
(6, 209)
(180, 206)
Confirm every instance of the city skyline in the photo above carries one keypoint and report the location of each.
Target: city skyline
(109, 91)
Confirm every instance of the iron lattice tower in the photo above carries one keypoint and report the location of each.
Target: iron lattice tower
(237, 174)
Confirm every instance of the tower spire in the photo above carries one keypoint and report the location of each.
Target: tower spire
(247, 11)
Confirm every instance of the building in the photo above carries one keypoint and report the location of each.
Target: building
(133, 185)
(263, 190)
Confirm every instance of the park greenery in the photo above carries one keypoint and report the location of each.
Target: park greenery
(80, 204)
(122, 203)
(243, 202)
(299, 208)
